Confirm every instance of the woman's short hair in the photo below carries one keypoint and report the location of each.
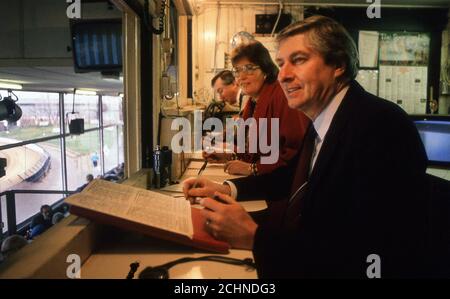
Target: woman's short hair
(257, 54)
(330, 39)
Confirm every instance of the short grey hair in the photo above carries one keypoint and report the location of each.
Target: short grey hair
(330, 39)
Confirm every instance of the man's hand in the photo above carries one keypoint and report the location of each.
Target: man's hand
(215, 157)
(229, 221)
(238, 167)
(201, 187)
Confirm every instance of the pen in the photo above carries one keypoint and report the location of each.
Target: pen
(200, 172)
(202, 168)
(194, 200)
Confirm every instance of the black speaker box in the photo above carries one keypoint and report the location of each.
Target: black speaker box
(76, 126)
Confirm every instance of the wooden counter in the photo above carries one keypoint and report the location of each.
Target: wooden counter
(106, 252)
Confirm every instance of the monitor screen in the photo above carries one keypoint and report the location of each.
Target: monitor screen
(435, 135)
(97, 45)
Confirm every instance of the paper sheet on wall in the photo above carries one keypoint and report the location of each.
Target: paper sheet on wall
(405, 86)
(369, 80)
(404, 48)
(368, 48)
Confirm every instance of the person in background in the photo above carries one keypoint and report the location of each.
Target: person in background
(10, 245)
(89, 178)
(225, 85)
(94, 159)
(41, 222)
(256, 74)
(357, 194)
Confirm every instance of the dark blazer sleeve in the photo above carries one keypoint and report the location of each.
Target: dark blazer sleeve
(389, 199)
(270, 186)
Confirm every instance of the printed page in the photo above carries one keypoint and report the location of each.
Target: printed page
(138, 205)
(368, 48)
(107, 197)
(162, 211)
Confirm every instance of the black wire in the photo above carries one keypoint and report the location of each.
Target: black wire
(73, 102)
(213, 258)
(10, 92)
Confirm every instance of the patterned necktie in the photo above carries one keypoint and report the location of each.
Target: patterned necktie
(299, 185)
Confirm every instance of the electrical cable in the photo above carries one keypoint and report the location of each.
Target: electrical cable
(278, 18)
(10, 92)
(162, 271)
(73, 101)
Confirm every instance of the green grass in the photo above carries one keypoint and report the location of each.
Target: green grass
(86, 143)
(29, 133)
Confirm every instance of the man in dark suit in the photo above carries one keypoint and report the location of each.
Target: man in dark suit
(355, 196)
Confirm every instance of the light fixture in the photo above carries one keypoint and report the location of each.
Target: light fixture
(86, 92)
(9, 110)
(7, 85)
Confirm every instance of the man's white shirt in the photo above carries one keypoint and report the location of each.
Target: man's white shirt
(321, 125)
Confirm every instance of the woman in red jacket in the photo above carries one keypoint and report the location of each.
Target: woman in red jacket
(257, 74)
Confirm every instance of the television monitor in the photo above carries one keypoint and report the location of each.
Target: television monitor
(434, 130)
(97, 45)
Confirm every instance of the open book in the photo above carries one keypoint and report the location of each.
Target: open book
(146, 212)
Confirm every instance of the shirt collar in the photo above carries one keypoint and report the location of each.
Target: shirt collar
(323, 121)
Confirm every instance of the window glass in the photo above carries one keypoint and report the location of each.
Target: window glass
(4, 218)
(112, 110)
(83, 158)
(35, 166)
(86, 107)
(28, 205)
(40, 117)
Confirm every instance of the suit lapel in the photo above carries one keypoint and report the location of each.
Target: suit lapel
(334, 135)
